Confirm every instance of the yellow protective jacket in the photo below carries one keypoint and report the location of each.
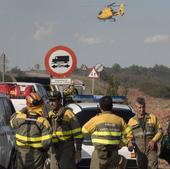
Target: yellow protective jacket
(32, 130)
(152, 131)
(65, 128)
(107, 129)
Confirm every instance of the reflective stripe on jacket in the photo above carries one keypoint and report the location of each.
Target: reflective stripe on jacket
(68, 128)
(152, 131)
(107, 129)
(31, 130)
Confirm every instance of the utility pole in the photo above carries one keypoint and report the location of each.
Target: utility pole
(3, 56)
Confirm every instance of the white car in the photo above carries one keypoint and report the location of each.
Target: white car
(85, 111)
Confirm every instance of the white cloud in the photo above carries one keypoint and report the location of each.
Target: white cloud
(157, 39)
(88, 40)
(42, 31)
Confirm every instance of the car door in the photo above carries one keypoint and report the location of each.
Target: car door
(6, 133)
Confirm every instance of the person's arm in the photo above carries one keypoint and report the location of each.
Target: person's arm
(89, 126)
(131, 144)
(17, 119)
(127, 131)
(158, 130)
(76, 133)
(46, 132)
(158, 134)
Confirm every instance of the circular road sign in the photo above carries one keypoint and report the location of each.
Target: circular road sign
(60, 61)
(98, 67)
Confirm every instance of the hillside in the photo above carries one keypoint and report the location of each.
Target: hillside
(154, 81)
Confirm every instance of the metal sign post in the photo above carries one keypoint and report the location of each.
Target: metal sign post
(92, 86)
(3, 56)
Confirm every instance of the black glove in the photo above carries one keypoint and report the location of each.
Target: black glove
(131, 148)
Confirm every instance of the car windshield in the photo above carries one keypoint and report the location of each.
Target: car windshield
(87, 113)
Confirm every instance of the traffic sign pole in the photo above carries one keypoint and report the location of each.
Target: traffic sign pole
(92, 86)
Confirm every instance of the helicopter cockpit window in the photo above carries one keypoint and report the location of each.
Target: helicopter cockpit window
(100, 12)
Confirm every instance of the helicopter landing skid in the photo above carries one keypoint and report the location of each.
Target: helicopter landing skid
(112, 19)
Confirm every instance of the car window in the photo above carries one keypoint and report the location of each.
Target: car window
(42, 91)
(86, 114)
(39, 90)
(6, 110)
(124, 113)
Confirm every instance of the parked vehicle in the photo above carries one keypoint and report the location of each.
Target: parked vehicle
(85, 111)
(17, 91)
(6, 133)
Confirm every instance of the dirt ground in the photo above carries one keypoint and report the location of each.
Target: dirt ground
(160, 107)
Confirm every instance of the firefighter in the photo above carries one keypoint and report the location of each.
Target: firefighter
(33, 134)
(147, 132)
(107, 130)
(67, 135)
(165, 146)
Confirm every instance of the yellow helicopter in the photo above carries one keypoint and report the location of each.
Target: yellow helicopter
(108, 13)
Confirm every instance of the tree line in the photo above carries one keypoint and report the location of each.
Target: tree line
(154, 81)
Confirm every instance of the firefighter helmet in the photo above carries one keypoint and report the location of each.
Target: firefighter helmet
(34, 100)
(55, 95)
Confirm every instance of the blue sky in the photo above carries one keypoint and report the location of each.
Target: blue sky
(30, 28)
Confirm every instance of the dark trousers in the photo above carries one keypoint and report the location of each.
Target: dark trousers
(104, 157)
(63, 156)
(147, 161)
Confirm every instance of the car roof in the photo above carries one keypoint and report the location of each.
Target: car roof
(77, 107)
(25, 83)
(20, 83)
(3, 95)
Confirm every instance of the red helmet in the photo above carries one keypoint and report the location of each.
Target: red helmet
(34, 100)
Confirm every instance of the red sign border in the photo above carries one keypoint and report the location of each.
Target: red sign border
(60, 75)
